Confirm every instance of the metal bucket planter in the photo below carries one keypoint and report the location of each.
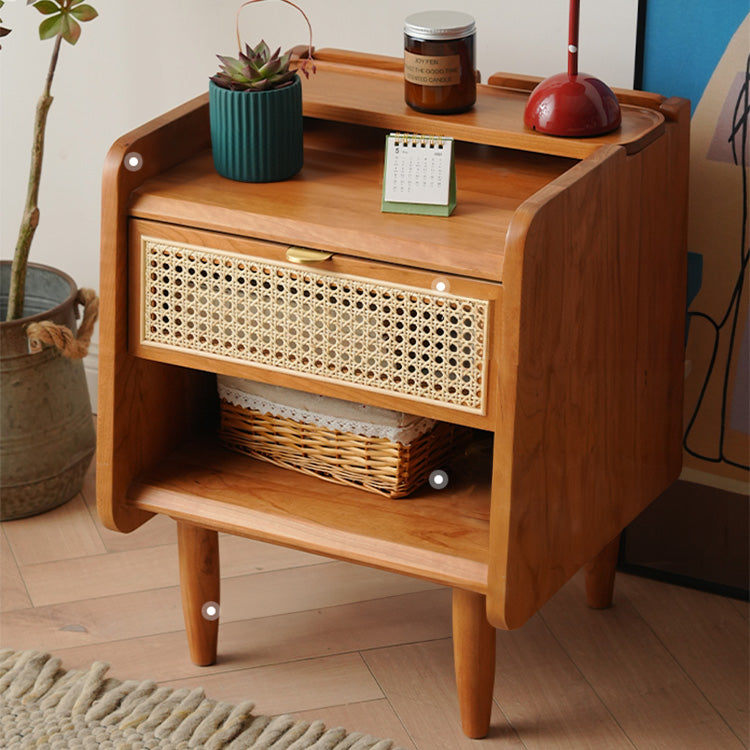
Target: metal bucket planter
(47, 435)
(256, 136)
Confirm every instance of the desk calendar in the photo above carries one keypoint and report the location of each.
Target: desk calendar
(419, 175)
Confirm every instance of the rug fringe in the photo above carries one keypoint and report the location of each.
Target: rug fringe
(44, 702)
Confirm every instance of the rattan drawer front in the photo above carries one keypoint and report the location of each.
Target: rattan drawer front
(395, 339)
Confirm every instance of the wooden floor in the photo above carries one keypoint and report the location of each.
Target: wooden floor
(666, 668)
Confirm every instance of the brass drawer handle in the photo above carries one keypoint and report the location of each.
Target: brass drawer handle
(305, 255)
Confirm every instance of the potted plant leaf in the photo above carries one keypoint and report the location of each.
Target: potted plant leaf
(255, 105)
(47, 436)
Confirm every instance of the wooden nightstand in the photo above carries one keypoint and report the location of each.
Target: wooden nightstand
(563, 291)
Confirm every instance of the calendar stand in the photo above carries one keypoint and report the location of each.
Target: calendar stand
(419, 175)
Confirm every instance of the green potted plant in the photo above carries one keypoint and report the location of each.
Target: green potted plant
(255, 105)
(47, 436)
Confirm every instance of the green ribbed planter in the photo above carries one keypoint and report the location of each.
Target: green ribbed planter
(256, 136)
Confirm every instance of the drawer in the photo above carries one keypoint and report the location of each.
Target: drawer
(374, 327)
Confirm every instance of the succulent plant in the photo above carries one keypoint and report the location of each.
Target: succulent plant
(257, 69)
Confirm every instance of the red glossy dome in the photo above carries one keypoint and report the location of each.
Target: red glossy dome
(572, 105)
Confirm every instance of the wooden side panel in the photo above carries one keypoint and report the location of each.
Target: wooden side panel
(592, 358)
(662, 197)
(133, 392)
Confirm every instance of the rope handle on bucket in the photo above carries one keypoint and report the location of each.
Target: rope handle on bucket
(70, 346)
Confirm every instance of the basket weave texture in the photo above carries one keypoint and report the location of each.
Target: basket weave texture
(378, 465)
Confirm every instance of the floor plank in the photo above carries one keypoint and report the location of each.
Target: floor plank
(707, 636)
(293, 686)
(326, 585)
(156, 532)
(92, 621)
(376, 718)
(147, 567)
(149, 611)
(60, 534)
(418, 680)
(13, 593)
(310, 634)
(546, 698)
(646, 690)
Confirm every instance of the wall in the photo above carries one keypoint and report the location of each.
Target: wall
(143, 57)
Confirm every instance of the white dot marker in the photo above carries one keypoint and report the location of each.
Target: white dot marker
(210, 611)
(438, 479)
(441, 284)
(572, 48)
(133, 161)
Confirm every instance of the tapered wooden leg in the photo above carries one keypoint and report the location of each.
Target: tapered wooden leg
(199, 583)
(600, 576)
(474, 657)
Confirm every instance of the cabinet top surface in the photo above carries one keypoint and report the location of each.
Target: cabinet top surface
(334, 202)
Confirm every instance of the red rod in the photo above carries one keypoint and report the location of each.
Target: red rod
(575, 6)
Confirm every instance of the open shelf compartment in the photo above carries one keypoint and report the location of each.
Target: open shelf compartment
(437, 535)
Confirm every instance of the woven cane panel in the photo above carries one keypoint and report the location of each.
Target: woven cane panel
(398, 340)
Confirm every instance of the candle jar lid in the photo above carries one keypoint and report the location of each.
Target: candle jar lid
(439, 24)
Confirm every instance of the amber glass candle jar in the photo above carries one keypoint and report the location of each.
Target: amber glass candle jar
(439, 61)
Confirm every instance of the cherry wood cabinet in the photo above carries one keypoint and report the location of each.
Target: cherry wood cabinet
(563, 264)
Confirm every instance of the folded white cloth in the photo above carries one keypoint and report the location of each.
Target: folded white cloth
(323, 411)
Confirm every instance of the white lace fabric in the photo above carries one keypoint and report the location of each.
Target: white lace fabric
(323, 411)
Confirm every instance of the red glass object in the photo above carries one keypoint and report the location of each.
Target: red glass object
(572, 104)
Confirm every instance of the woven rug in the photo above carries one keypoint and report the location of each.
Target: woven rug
(45, 706)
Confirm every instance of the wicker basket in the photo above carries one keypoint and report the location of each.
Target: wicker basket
(374, 464)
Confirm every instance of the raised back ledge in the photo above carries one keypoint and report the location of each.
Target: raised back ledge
(336, 92)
